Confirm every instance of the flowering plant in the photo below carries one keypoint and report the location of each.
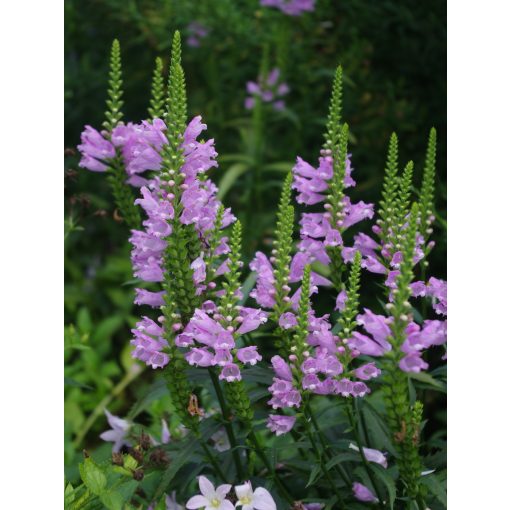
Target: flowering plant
(318, 410)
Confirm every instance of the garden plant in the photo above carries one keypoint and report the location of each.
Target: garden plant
(293, 364)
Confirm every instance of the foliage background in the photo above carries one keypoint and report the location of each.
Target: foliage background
(394, 58)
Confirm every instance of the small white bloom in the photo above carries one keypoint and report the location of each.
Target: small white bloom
(211, 498)
(221, 442)
(260, 499)
(118, 432)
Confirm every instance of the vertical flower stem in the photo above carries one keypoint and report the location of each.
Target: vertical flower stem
(228, 424)
(320, 460)
(338, 468)
(274, 476)
(354, 426)
(212, 460)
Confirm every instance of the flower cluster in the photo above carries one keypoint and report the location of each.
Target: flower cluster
(264, 291)
(199, 208)
(269, 89)
(323, 368)
(432, 332)
(138, 144)
(212, 498)
(290, 7)
(196, 32)
(321, 230)
(211, 344)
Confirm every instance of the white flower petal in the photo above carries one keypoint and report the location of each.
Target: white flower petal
(244, 490)
(206, 487)
(262, 500)
(226, 505)
(197, 502)
(110, 435)
(223, 490)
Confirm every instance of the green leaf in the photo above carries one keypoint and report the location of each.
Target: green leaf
(130, 462)
(315, 475)
(282, 166)
(230, 177)
(84, 321)
(343, 457)
(248, 284)
(426, 378)
(71, 382)
(182, 456)
(106, 328)
(92, 476)
(436, 487)
(388, 481)
(112, 500)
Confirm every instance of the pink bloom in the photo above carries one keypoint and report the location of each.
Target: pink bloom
(366, 372)
(281, 368)
(248, 355)
(363, 493)
(280, 424)
(230, 373)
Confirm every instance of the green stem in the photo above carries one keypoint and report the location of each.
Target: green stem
(130, 376)
(212, 460)
(354, 426)
(260, 452)
(228, 424)
(338, 468)
(324, 469)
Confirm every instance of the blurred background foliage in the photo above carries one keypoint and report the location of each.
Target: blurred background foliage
(394, 58)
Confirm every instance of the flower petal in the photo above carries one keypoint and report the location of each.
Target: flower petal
(206, 487)
(223, 490)
(197, 502)
(262, 500)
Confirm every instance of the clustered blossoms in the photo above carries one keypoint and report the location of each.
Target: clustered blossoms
(321, 230)
(323, 371)
(269, 89)
(211, 344)
(138, 144)
(180, 252)
(290, 7)
(432, 332)
(212, 498)
(196, 32)
(199, 208)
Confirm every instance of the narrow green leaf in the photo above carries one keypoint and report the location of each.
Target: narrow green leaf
(436, 487)
(230, 177)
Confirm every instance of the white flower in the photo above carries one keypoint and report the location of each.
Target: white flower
(221, 442)
(260, 499)
(117, 434)
(211, 498)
